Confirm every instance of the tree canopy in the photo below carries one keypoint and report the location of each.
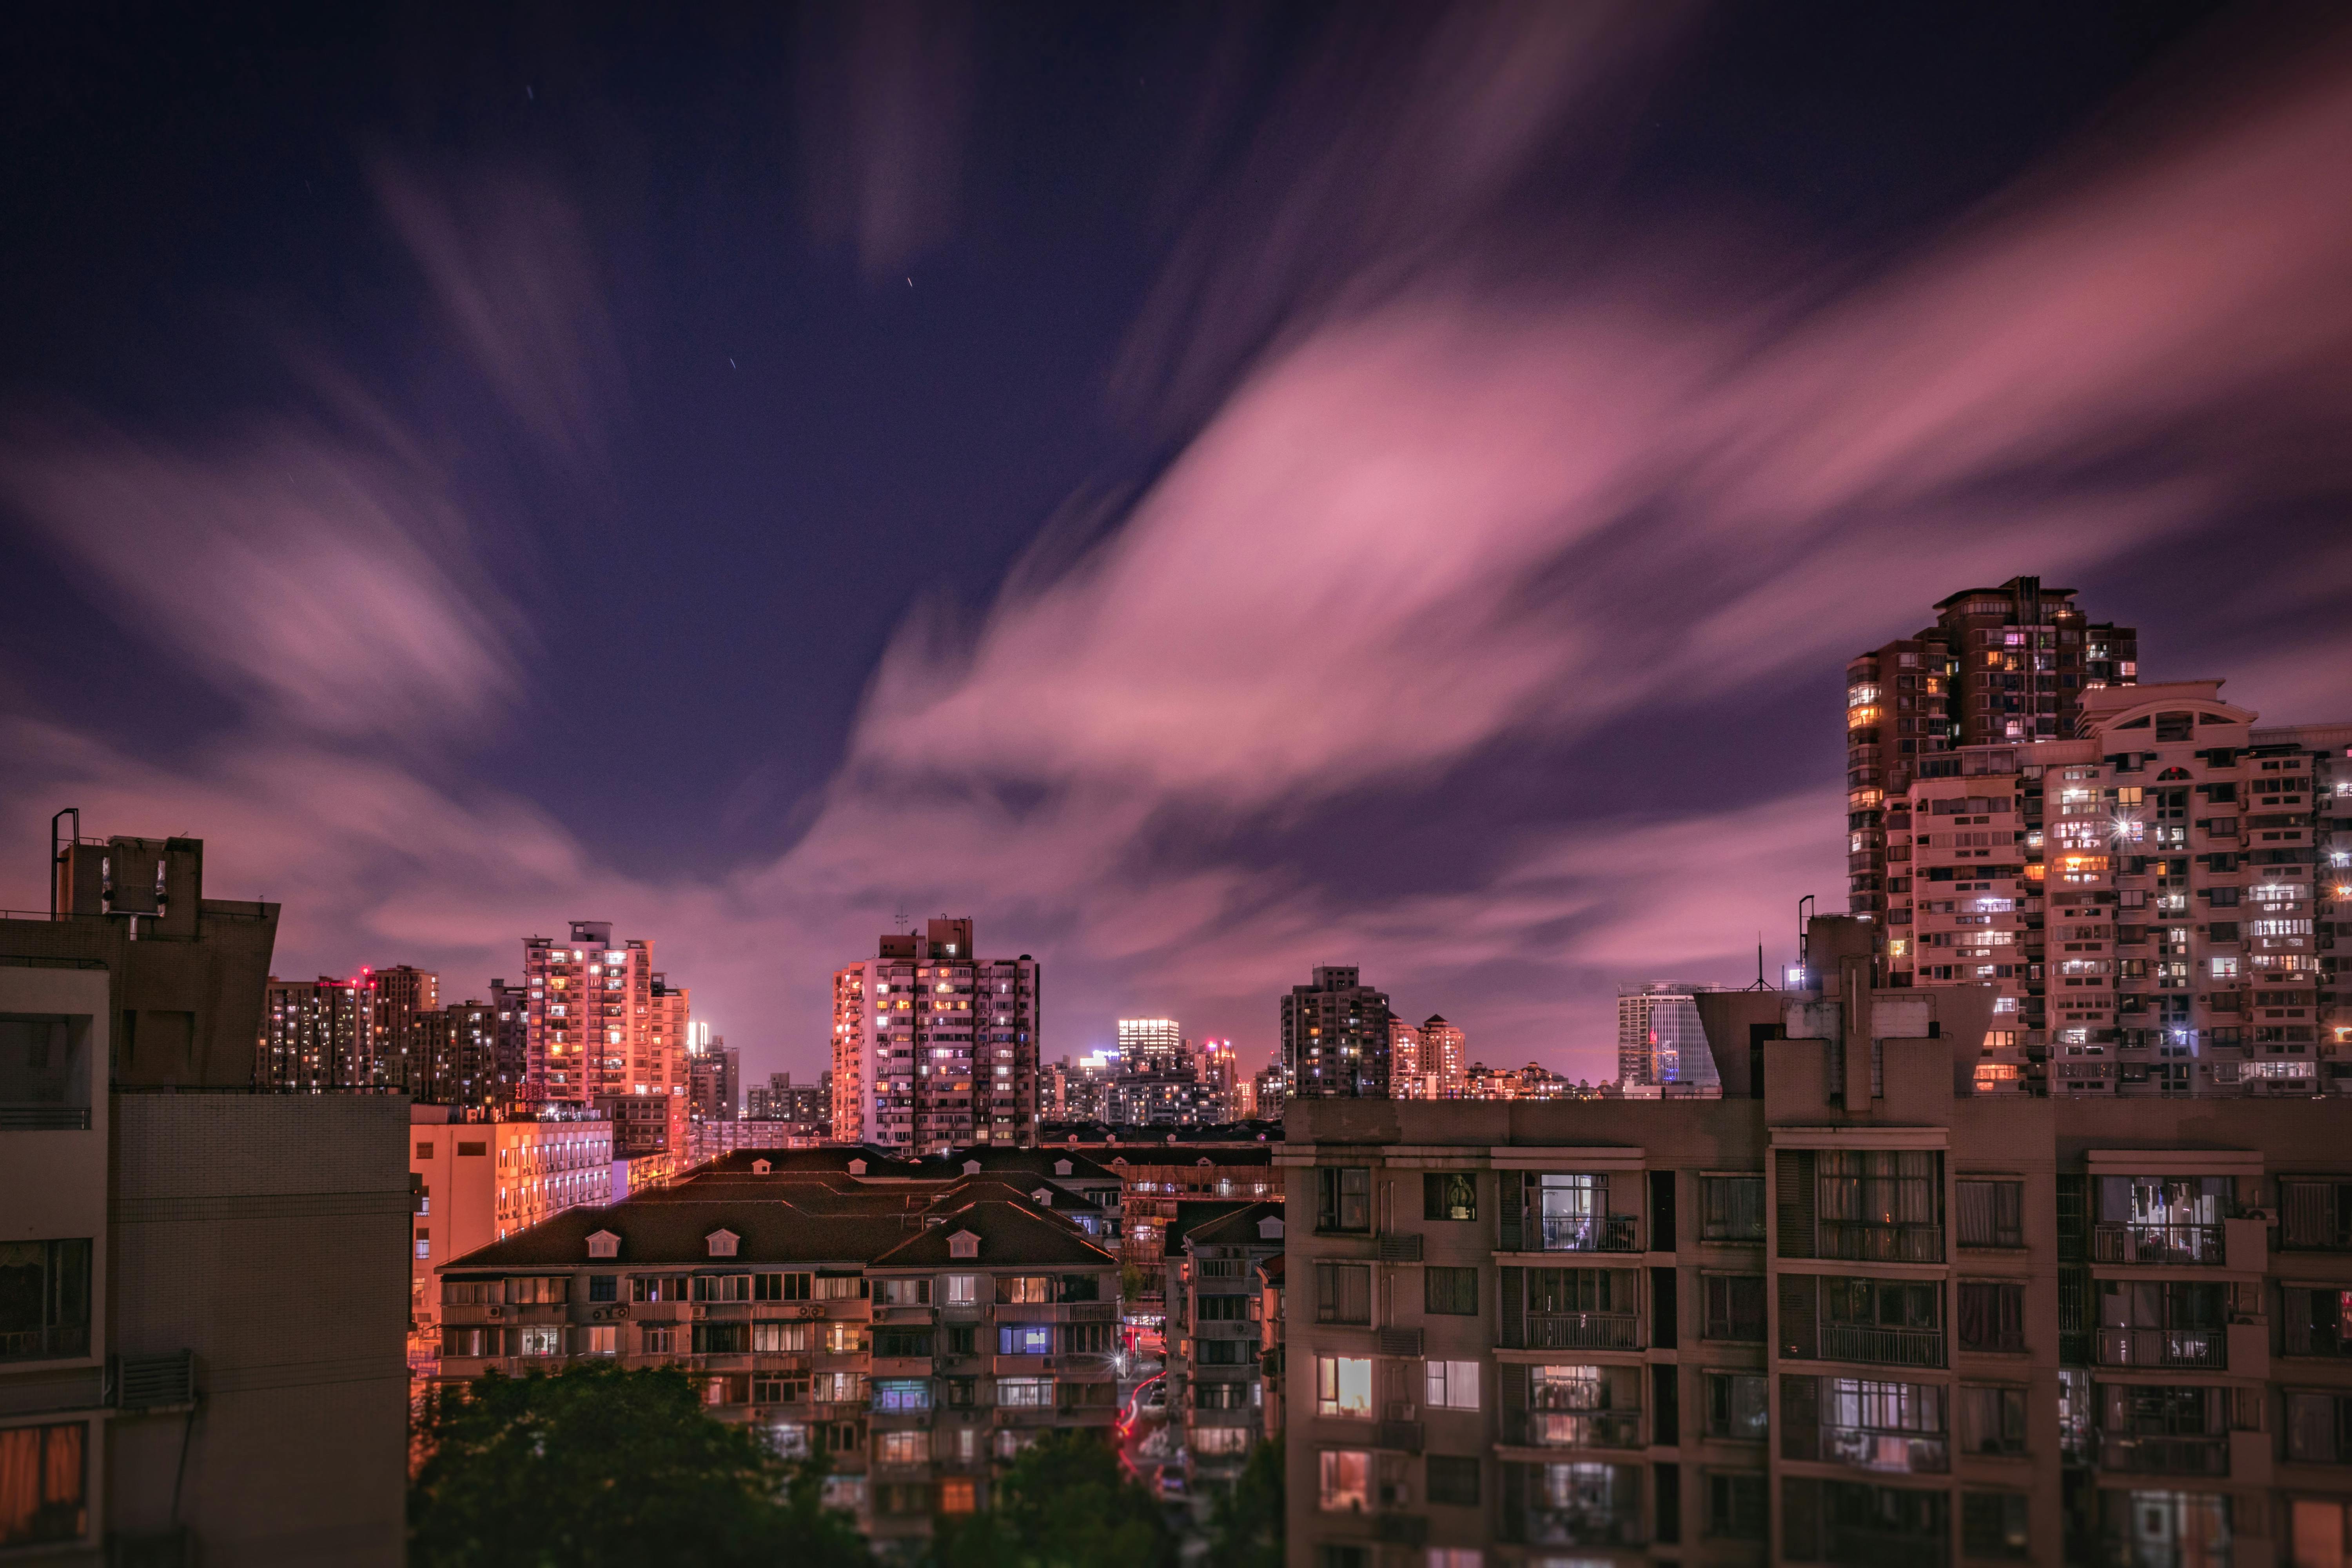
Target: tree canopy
(1246, 1528)
(1065, 1503)
(601, 1467)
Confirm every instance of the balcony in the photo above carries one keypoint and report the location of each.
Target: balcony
(2179, 1245)
(1584, 1527)
(1588, 1233)
(1399, 1435)
(2203, 1348)
(1583, 1330)
(1882, 1347)
(1882, 1243)
(1583, 1429)
(1888, 1453)
(2174, 1455)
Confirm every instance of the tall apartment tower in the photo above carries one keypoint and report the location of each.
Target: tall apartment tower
(511, 1055)
(1150, 1045)
(316, 1035)
(1658, 1034)
(454, 1056)
(1404, 1061)
(1335, 1037)
(714, 1076)
(591, 1028)
(1444, 1054)
(1221, 1072)
(403, 994)
(2001, 665)
(2152, 900)
(934, 1049)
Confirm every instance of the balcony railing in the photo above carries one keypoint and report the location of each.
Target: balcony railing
(1588, 1233)
(1882, 1243)
(2163, 1347)
(1584, 1527)
(2178, 1244)
(1582, 1330)
(1895, 1453)
(1584, 1428)
(1882, 1347)
(2166, 1455)
(52, 1343)
(38, 1118)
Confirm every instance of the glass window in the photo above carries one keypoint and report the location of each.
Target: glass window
(1025, 1393)
(1344, 1198)
(1992, 1315)
(1343, 1386)
(893, 1394)
(1738, 1406)
(1449, 1196)
(1451, 1385)
(963, 1290)
(1450, 1291)
(1025, 1339)
(1735, 1505)
(1992, 1419)
(1992, 1524)
(1454, 1480)
(44, 1299)
(1343, 1292)
(1733, 1307)
(1345, 1477)
(1732, 1208)
(1992, 1213)
(44, 1482)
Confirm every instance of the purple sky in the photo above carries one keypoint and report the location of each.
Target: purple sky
(1204, 498)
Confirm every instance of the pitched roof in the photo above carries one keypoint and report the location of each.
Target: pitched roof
(1239, 1228)
(662, 1233)
(1010, 1234)
(1193, 1213)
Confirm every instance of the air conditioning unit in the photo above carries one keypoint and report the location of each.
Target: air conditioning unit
(619, 1311)
(497, 1312)
(701, 1311)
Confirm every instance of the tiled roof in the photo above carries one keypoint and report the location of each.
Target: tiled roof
(1010, 1234)
(1239, 1228)
(1193, 1212)
(675, 1234)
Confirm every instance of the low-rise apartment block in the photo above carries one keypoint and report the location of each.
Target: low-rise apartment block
(1853, 1312)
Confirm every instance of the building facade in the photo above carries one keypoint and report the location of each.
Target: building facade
(316, 1035)
(913, 1332)
(403, 993)
(2154, 900)
(594, 1033)
(1335, 1037)
(1853, 1313)
(1151, 1045)
(2006, 664)
(1217, 1372)
(200, 1326)
(453, 1056)
(1659, 1040)
(932, 1047)
(714, 1072)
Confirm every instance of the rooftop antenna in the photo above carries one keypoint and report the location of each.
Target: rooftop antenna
(57, 850)
(902, 917)
(1762, 984)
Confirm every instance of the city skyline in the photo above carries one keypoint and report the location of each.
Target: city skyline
(1197, 527)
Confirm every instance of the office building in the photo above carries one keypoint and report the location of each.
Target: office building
(2006, 664)
(2153, 898)
(316, 1035)
(403, 994)
(1853, 1313)
(934, 1048)
(1658, 1037)
(1335, 1037)
(201, 1328)
(1151, 1045)
(912, 1326)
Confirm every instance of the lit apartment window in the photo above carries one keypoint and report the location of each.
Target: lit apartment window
(1343, 1386)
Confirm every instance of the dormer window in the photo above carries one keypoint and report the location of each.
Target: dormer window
(603, 1244)
(971, 1167)
(722, 1243)
(857, 1167)
(1269, 1228)
(1062, 1167)
(1045, 1197)
(963, 1244)
(761, 1167)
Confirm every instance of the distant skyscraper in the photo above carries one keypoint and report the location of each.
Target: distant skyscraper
(932, 1047)
(1443, 1053)
(1150, 1044)
(2001, 665)
(403, 994)
(1220, 1072)
(714, 1075)
(1658, 1036)
(1335, 1037)
(1404, 1061)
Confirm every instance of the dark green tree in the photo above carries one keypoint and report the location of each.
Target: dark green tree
(599, 1467)
(1065, 1502)
(1245, 1525)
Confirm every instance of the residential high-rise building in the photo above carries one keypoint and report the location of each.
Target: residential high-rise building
(1658, 1037)
(932, 1047)
(1443, 1054)
(1267, 1091)
(1404, 1062)
(714, 1075)
(604, 1031)
(201, 1286)
(2151, 899)
(1220, 1072)
(2001, 665)
(1335, 1037)
(513, 1049)
(454, 1058)
(316, 1035)
(1150, 1045)
(1852, 1312)
(403, 994)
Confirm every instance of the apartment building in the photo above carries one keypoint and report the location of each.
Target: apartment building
(1853, 1313)
(199, 1290)
(934, 1049)
(403, 994)
(316, 1035)
(595, 1032)
(1335, 1037)
(2155, 899)
(2006, 664)
(912, 1330)
(1659, 1040)
(453, 1056)
(1214, 1291)
(1156, 1179)
(714, 1074)
(1150, 1045)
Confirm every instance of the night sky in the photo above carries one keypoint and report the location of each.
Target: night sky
(1205, 491)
